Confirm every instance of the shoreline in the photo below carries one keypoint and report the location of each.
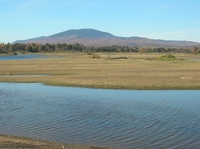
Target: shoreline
(112, 87)
(9, 141)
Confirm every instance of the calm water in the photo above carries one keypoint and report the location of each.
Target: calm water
(22, 57)
(116, 118)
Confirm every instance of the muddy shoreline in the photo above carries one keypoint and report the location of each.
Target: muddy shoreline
(10, 142)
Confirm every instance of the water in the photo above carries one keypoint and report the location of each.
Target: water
(115, 118)
(22, 57)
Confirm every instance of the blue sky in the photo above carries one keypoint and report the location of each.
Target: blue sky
(155, 19)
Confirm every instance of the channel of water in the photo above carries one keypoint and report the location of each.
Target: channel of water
(116, 118)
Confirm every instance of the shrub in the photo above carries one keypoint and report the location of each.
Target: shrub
(170, 56)
(167, 57)
(96, 56)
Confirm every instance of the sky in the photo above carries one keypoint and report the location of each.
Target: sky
(154, 19)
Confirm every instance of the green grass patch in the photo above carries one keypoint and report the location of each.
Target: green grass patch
(167, 57)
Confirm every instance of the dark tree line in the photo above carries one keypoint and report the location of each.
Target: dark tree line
(33, 47)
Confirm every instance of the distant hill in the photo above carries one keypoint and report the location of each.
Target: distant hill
(92, 37)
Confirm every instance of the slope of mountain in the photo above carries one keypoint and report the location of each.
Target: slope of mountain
(30, 40)
(91, 37)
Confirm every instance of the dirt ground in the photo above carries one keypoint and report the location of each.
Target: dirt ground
(13, 142)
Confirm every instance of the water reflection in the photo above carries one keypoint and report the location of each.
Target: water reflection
(117, 118)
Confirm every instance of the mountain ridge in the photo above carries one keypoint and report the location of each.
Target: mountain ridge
(82, 33)
(92, 37)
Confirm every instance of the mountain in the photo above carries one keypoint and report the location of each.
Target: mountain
(84, 33)
(91, 37)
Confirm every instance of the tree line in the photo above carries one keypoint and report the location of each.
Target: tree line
(34, 48)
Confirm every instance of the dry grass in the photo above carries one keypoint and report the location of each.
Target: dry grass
(78, 69)
(13, 142)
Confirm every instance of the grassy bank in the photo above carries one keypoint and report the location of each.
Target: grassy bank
(109, 70)
(10, 142)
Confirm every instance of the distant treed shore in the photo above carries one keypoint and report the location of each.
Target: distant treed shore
(34, 48)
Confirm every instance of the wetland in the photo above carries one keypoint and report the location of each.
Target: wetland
(104, 100)
(139, 71)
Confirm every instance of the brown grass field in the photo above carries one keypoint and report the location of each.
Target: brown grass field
(109, 70)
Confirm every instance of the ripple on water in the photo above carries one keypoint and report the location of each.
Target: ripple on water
(118, 118)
